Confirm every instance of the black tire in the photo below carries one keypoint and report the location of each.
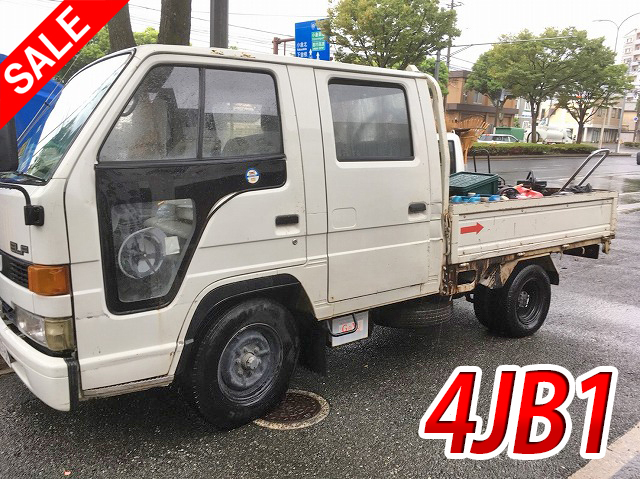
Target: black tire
(414, 314)
(485, 304)
(244, 362)
(537, 138)
(523, 303)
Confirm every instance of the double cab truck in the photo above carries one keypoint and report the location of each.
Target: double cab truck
(212, 218)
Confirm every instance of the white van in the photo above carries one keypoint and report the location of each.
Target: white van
(210, 217)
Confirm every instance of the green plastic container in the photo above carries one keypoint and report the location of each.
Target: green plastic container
(463, 183)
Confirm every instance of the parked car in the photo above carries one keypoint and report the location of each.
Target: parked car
(497, 139)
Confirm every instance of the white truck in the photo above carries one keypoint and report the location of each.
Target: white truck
(211, 217)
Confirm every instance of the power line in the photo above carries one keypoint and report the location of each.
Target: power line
(511, 41)
(208, 20)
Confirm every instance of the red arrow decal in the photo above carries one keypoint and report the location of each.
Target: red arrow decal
(471, 229)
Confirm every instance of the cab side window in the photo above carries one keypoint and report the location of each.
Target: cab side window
(241, 115)
(370, 121)
(161, 120)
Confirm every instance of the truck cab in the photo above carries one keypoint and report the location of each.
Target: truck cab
(211, 217)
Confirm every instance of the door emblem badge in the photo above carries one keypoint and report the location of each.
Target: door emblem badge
(253, 176)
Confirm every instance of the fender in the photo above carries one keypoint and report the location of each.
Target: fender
(285, 289)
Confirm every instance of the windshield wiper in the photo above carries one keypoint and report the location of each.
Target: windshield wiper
(23, 175)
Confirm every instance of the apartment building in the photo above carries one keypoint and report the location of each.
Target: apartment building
(630, 54)
(463, 103)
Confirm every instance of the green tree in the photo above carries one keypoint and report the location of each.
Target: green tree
(388, 33)
(98, 47)
(482, 81)
(600, 86)
(149, 36)
(536, 69)
(428, 65)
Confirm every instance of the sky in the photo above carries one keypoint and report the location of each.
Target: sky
(253, 24)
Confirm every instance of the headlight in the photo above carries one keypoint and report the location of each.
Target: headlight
(55, 334)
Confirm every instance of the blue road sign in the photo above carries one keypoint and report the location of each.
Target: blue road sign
(311, 42)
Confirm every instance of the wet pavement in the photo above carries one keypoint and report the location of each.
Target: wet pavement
(617, 173)
(377, 389)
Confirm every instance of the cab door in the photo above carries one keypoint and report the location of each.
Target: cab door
(198, 179)
(377, 181)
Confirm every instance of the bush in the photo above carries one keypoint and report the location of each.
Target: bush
(507, 149)
(631, 144)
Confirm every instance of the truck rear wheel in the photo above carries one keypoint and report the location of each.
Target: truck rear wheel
(523, 303)
(243, 364)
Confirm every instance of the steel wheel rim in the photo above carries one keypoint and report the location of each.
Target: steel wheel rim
(249, 363)
(529, 302)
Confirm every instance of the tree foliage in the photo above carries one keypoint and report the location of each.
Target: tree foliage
(428, 65)
(536, 70)
(599, 86)
(98, 47)
(483, 81)
(388, 33)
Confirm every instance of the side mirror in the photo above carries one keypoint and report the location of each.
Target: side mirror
(8, 147)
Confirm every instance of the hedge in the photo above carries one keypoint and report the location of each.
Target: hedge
(507, 149)
(631, 144)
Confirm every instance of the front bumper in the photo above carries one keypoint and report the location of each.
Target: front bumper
(47, 377)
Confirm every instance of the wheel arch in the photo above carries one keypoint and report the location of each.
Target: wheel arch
(501, 275)
(283, 288)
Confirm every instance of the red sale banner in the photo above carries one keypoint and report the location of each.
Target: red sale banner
(49, 47)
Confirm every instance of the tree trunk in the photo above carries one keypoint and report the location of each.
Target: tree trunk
(175, 22)
(120, 32)
(580, 132)
(498, 108)
(535, 108)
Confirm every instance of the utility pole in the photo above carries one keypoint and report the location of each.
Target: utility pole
(219, 23)
(451, 7)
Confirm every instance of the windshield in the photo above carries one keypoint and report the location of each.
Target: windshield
(43, 149)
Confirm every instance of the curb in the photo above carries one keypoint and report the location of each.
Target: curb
(542, 157)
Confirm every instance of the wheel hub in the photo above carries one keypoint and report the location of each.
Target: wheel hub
(249, 361)
(523, 299)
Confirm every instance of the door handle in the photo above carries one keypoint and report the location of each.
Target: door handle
(283, 220)
(417, 207)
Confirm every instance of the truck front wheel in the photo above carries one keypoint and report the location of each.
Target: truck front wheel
(523, 303)
(244, 362)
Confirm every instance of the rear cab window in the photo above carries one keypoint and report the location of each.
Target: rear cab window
(370, 121)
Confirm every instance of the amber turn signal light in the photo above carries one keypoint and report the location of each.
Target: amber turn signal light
(49, 280)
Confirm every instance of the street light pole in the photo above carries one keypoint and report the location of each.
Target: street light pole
(219, 23)
(624, 94)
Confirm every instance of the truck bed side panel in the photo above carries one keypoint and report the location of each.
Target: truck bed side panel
(488, 230)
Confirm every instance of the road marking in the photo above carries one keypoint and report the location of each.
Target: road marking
(625, 450)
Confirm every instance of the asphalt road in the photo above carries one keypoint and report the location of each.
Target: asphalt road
(378, 389)
(617, 173)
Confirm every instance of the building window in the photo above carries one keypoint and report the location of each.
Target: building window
(477, 97)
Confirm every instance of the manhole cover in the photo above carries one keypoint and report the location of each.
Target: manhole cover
(299, 409)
